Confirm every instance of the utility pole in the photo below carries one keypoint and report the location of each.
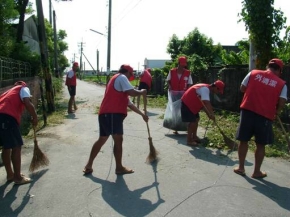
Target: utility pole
(109, 42)
(56, 67)
(81, 59)
(44, 57)
(98, 61)
(50, 19)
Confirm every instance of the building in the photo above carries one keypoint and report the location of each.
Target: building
(154, 63)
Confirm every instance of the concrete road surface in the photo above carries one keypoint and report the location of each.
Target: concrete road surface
(185, 182)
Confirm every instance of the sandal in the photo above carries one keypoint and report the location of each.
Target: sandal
(192, 144)
(239, 172)
(261, 176)
(87, 171)
(124, 171)
(24, 180)
(11, 179)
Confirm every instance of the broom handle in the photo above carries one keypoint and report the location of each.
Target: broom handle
(34, 133)
(148, 129)
(145, 106)
(205, 108)
(285, 133)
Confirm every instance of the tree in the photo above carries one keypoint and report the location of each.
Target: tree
(264, 24)
(199, 50)
(240, 58)
(7, 14)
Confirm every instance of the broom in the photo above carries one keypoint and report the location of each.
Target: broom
(39, 159)
(152, 153)
(230, 143)
(285, 134)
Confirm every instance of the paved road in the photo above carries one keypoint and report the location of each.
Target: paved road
(185, 182)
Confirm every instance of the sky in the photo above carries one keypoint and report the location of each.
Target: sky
(142, 28)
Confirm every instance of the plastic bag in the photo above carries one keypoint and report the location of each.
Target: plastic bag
(172, 117)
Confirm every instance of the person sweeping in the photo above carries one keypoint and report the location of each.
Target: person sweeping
(12, 104)
(113, 111)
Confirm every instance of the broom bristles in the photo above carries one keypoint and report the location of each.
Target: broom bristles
(39, 159)
(153, 153)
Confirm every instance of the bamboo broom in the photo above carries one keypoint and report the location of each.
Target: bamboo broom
(229, 142)
(152, 153)
(39, 159)
(285, 133)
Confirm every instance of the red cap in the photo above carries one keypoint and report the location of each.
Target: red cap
(75, 64)
(130, 70)
(277, 62)
(220, 85)
(182, 61)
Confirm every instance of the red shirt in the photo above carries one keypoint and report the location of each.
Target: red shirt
(179, 84)
(146, 78)
(11, 103)
(262, 93)
(191, 99)
(114, 101)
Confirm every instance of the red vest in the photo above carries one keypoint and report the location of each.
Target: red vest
(262, 93)
(146, 78)
(11, 103)
(73, 80)
(114, 101)
(179, 84)
(191, 99)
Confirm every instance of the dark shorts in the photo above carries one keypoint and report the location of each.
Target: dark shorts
(252, 124)
(111, 124)
(187, 115)
(10, 135)
(72, 90)
(143, 85)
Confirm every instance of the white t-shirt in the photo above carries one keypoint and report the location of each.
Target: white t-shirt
(70, 74)
(283, 93)
(122, 84)
(24, 93)
(203, 92)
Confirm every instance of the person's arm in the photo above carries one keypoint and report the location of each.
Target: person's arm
(134, 92)
(168, 80)
(208, 109)
(244, 83)
(30, 108)
(282, 100)
(135, 109)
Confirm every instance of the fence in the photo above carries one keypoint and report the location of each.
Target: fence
(232, 97)
(11, 69)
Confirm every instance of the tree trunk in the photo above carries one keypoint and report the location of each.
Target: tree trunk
(22, 4)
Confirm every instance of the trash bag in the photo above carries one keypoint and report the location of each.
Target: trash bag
(172, 117)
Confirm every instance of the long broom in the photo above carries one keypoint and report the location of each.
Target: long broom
(285, 134)
(152, 153)
(230, 143)
(39, 159)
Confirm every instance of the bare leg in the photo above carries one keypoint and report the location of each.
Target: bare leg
(95, 150)
(70, 104)
(242, 152)
(75, 106)
(6, 157)
(194, 130)
(138, 101)
(259, 157)
(118, 151)
(16, 162)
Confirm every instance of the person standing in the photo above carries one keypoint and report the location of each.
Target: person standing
(12, 104)
(71, 82)
(113, 111)
(265, 94)
(179, 80)
(192, 101)
(145, 83)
